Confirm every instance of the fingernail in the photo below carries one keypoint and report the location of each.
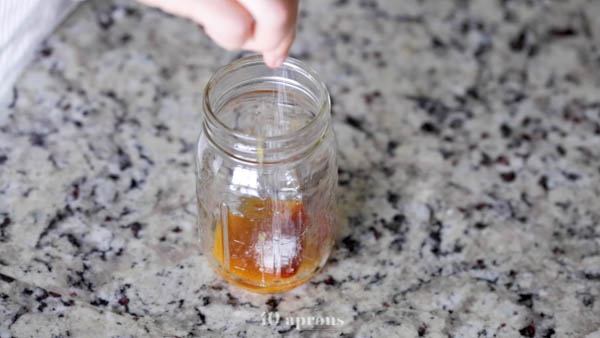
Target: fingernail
(279, 61)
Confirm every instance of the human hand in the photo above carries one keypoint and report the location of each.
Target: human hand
(264, 26)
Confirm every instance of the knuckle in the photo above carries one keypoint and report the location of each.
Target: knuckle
(228, 43)
(233, 38)
(240, 31)
(280, 14)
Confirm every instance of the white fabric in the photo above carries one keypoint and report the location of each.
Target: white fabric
(23, 25)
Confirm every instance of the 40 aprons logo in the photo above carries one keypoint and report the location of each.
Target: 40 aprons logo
(301, 322)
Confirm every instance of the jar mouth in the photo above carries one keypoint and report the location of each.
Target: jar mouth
(319, 93)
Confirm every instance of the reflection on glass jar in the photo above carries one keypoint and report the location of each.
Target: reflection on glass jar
(266, 175)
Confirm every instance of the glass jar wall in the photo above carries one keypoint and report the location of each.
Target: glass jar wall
(266, 175)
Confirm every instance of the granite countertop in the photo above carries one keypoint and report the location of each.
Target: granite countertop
(469, 135)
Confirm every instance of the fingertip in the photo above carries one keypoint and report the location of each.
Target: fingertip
(279, 61)
(273, 61)
(276, 58)
(227, 22)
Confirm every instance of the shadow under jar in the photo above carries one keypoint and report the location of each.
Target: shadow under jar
(266, 175)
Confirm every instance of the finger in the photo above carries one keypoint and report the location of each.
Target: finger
(227, 22)
(276, 57)
(274, 21)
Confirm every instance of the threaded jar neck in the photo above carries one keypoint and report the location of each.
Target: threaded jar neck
(257, 114)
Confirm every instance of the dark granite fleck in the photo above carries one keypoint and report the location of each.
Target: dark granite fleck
(125, 38)
(480, 225)
(201, 317)
(435, 236)
(99, 302)
(330, 281)
(15, 98)
(549, 333)
(272, 304)
(436, 42)
(518, 42)
(429, 128)
(124, 159)
(397, 244)
(571, 176)
(508, 176)
(432, 106)
(5, 223)
(232, 300)
(46, 51)
(351, 244)
(124, 301)
(395, 225)
(505, 130)
(376, 233)
(355, 123)
(486, 160)
(592, 276)
(135, 228)
(528, 331)
(543, 182)
(502, 160)
(526, 299)
(60, 216)
(6, 279)
(562, 32)
(588, 300)
(42, 306)
(479, 265)
(37, 139)
(393, 198)
(391, 146)
(105, 20)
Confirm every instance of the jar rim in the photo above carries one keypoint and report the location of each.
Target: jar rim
(290, 63)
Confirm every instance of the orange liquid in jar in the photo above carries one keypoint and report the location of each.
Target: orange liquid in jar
(265, 247)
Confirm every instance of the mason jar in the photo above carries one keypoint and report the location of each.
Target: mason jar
(266, 174)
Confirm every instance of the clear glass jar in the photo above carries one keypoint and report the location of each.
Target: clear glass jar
(266, 175)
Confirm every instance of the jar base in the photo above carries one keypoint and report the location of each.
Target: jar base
(265, 289)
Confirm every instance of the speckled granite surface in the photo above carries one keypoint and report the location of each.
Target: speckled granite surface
(469, 137)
